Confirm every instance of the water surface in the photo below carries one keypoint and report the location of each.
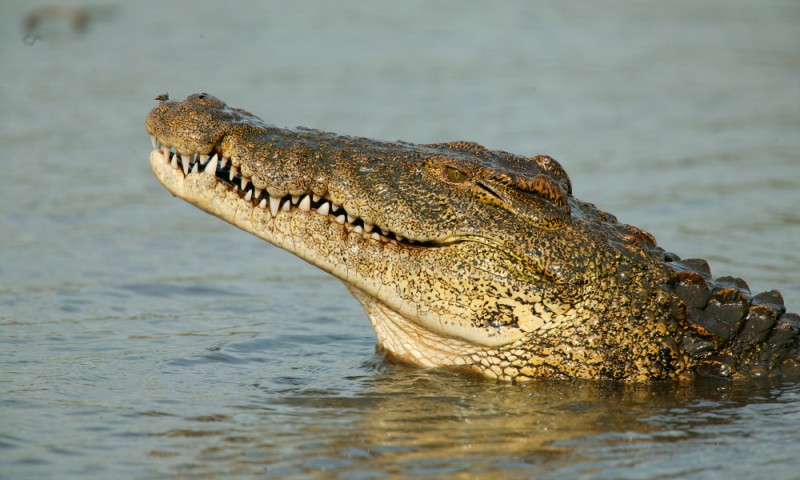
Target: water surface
(141, 338)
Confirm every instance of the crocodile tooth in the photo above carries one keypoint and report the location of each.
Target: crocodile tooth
(263, 204)
(358, 229)
(245, 181)
(224, 161)
(153, 140)
(211, 169)
(165, 151)
(233, 172)
(376, 236)
(400, 238)
(351, 219)
(315, 198)
(335, 207)
(340, 219)
(257, 193)
(249, 195)
(305, 203)
(274, 205)
(368, 227)
(324, 209)
(175, 162)
(203, 159)
(295, 199)
(195, 167)
(286, 206)
(186, 162)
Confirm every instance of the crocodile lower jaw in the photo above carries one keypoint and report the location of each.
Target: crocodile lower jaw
(313, 228)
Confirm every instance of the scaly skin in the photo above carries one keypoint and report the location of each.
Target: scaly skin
(468, 258)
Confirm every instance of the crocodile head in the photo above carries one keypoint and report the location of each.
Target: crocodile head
(462, 257)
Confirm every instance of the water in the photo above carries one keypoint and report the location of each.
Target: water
(140, 338)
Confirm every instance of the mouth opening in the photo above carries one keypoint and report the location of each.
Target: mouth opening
(228, 174)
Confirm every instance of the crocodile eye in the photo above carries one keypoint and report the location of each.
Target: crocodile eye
(455, 176)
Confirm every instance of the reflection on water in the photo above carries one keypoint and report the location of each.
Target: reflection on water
(411, 422)
(140, 338)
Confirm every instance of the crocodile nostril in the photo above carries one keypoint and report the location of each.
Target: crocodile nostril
(206, 100)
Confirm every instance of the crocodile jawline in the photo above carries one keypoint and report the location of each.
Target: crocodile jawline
(227, 174)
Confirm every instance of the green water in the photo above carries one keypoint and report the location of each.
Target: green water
(141, 338)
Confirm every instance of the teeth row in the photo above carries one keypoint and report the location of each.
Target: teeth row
(310, 202)
(193, 163)
(222, 168)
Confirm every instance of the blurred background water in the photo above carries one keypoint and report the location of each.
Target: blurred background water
(140, 338)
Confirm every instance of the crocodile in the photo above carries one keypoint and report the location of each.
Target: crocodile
(472, 259)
